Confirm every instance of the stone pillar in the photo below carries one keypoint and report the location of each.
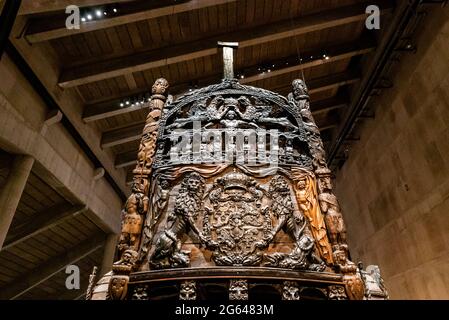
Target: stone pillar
(11, 193)
(109, 252)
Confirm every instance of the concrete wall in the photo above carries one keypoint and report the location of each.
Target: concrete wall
(394, 188)
(65, 165)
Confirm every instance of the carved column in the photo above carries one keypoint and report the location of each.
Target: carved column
(136, 207)
(12, 192)
(137, 204)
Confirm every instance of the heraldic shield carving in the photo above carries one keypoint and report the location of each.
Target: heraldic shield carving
(231, 184)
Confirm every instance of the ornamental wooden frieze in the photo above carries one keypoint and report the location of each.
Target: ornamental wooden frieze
(233, 176)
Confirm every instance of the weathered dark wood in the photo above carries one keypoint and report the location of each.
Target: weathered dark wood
(205, 47)
(133, 132)
(290, 64)
(44, 30)
(42, 6)
(234, 272)
(41, 222)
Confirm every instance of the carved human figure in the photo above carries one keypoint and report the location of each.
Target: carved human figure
(355, 288)
(128, 259)
(300, 98)
(158, 205)
(160, 86)
(331, 209)
(135, 208)
(230, 122)
(181, 220)
(308, 204)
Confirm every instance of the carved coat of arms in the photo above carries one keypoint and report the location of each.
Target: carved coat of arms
(235, 220)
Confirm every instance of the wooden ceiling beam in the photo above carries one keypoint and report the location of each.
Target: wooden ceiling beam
(48, 29)
(324, 106)
(122, 135)
(112, 107)
(134, 132)
(126, 159)
(28, 281)
(324, 83)
(120, 66)
(43, 6)
(41, 222)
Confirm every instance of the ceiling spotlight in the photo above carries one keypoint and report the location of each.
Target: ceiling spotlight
(89, 17)
(242, 76)
(326, 57)
(273, 65)
(268, 70)
(105, 13)
(115, 10)
(127, 102)
(122, 104)
(149, 99)
(137, 103)
(98, 13)
(83, 19)
(190, 89)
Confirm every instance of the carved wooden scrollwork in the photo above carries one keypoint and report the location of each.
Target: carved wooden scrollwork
(290, 290)
(232, 175)
(187, 290)
(238, 289)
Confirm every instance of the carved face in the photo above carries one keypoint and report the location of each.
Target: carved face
(129, 257)
(299, 87)
(159, 86)
(325, 183)
(231, 115)
(193, 184)
(138, 186)
(164, 184)
(279, 184)
(302, 184)
(340, 257)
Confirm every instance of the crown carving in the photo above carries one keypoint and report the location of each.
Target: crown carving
(236, 180)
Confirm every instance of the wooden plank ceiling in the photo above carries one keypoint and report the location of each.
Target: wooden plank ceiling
(46, 234)
(116, 59)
